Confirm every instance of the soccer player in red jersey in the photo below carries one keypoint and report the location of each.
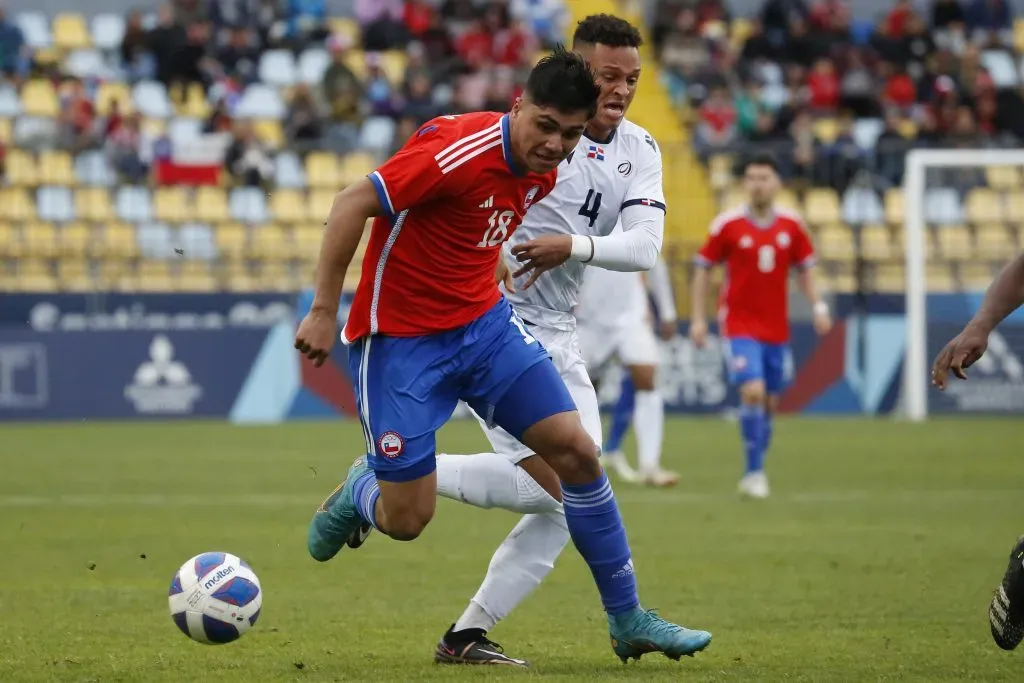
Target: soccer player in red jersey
(429, 326)
(758, 243)
(1004, 296)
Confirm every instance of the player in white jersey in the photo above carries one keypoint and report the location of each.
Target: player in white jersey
(625, 332)
(615, 174)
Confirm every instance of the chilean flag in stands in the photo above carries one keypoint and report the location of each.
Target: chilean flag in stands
(195, 161)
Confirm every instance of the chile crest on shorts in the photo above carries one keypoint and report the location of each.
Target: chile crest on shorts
(390, 444)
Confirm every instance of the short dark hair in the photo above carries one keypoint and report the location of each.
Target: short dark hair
(606, 29)
(562, 80)
(762, 159)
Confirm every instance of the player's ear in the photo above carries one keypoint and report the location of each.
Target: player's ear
(517, 106)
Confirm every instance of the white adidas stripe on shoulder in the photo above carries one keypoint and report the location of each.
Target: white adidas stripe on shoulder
(468, 148)
(453, 148)
(460, 160)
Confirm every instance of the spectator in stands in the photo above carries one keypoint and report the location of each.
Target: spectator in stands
(476, 45)
(136, 59)
(124, 149)
(240, 54)
(246, 158)
(419, 103)
(990, 21)
(898, 89)
(417, 16)
(188, 12)
(858, 90)
(891, 149)
(776, 16)
(307, 21)
(77, 119)
(344, 94)
(379, 93)
(545, 19)
(381, 21)
(716, 129)
(305, 117)
(219, 120)
(13, 51)
(823, 84)
(803, 144)
(946, 14)
(165, 40)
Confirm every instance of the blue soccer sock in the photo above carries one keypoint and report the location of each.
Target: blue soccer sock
(597, 532)
(622, 414)
(752, 430)
(766, 434)
(365, 493)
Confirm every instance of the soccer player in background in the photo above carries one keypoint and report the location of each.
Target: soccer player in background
(627, 408)
(758, 244)
(615, 322)
(428, 327)
(1004, 296)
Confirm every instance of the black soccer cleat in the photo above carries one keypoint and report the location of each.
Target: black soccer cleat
(471, 646)
(1006, 611)
(359, 536)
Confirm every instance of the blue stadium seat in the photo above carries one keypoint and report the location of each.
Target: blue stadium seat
(36, 29)
(107, 31)
(150, 98)
(133, 204)
(85, 63)
(10, 104)
(866, 133)
(55, 204)
(312, 65)
(377, 134)
(862, 206)
(277, 68)
(155, 240)
(260, 102)
(248, 205)
(92, 168)
(182, 128)
(942, 206)
(288, 172)
(196, 240)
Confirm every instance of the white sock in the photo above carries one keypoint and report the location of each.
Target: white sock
(518, 566)
(489, 480)
(649, 427)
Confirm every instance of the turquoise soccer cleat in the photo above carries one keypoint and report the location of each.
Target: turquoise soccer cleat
(337, 519)
(641, 631)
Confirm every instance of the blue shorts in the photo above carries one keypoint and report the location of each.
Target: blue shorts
(408, 387)
(750, 360)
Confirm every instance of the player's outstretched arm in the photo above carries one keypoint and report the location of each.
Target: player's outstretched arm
(659, 283)
(1004, 296)
(808, 285)
(344, 229)
(699, 293)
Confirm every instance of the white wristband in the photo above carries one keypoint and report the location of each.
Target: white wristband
(821, 308)
(582, 249)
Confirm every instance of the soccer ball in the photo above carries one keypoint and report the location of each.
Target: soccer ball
(215, 598)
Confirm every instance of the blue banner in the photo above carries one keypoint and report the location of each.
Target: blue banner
(124, 374)
(121, 311)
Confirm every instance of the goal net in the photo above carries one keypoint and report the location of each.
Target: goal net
(963, 217)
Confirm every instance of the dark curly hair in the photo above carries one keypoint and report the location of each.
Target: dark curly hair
(563, 81)
(606, 29)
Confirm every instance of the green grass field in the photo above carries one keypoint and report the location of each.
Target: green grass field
(874, 560)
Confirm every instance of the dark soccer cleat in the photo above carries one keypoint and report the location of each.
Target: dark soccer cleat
(471, 646)
(359, 536)
(1006, 611)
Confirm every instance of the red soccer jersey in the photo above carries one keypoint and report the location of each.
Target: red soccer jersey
(451, 196)
(757, 258)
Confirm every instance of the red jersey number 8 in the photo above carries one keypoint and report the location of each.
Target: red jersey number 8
(766, 258)
(497, 228)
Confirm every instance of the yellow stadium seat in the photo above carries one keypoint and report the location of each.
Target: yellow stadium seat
(55, 168)
(36, 276)
(929, 243)
(117, 241)
(355, 60)
(908, 129)
(890, 278)
(1015, 206)
(394, 63)
(347, 28)
(15, 205)
(307, 240)
(231, 241)
(355, 167)
(322, 170)
(733, 198)
(271, 243)
(74, 275)
(955, 243)
(289, 206)
(269, 132)
(21, 168)
(111, 273)
(75, 240)
(826, 130)
(835, 243)
(842, 283)
(194, 104)
(993, 242)
(876, 243)
(984, 205)
(93, 204)
(6, 130)
(894, 207)
(821, 206)
(740, 29)
(196, 276)
(940, 278)
(276, 276)
(10, 241)
(1003, 177)
(1018, 34)
(211, 205)
(975, 276)
(70, 32)
(154, 276)
(154, 127)
(720, 171)
(111, 92)
(237, 278)
(38, 98)
(320, 202)
(172, 205)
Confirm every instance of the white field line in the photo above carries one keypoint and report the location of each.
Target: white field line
(626, 496)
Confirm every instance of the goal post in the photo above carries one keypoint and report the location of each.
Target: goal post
(918, 162)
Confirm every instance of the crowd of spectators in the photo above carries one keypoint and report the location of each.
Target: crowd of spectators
(838, 99)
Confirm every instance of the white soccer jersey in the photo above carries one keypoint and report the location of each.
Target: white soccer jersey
(595, 183)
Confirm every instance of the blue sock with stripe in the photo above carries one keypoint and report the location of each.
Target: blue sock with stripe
(752, 431)
(365, 493)
(597, 532)
(622, 414)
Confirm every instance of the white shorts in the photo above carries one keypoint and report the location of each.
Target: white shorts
(632, 344)
(564, 349)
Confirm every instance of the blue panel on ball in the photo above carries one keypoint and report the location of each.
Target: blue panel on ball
(207, 562)
(175, 585)
(255, 616)
(237, 591)
(179, 620)
(218, 631)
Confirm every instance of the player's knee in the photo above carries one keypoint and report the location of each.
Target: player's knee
(408, 525)
(771, 404)
(643, 377)
(577, 461)
(753, 393)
